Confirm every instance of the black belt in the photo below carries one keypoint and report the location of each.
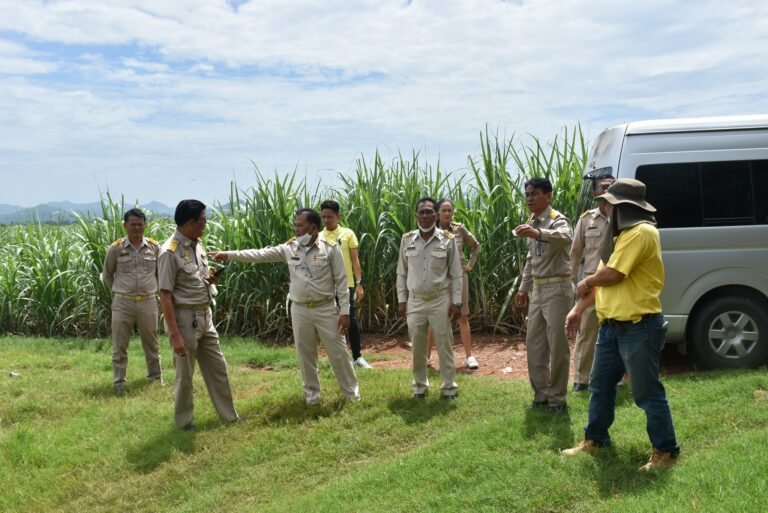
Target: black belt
(617, 322)
(621, 325)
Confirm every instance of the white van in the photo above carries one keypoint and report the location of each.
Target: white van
(708, 178)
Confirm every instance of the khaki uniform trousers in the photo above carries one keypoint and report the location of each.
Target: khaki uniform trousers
(420, 315)
(547, 343)
(202, 346)
(320, 324)
(584, 351)
(127, 314)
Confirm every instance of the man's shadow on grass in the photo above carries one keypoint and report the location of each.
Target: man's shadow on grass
(617, 472)
(417, 411)
(107, 391)
(145, 458)
(296, 411)
(555, 426)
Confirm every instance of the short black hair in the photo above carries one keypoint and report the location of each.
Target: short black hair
(539, 182)
(424, 199)
(188, 209)
(596, 180)
(444, 200)
(332, 204)
(312, 216)
(134, 212)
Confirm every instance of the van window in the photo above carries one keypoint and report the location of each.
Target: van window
(731, 193)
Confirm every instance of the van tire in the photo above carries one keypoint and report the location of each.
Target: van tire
(731, 332)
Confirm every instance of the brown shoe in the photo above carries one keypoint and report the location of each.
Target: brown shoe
(585, 446)
(659, 461)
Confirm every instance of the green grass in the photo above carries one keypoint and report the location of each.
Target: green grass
(67, 444)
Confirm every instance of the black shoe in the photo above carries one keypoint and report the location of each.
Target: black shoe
(448, 397)
(560, 408)
(539, 404)
(420, 397)
(238, 420)
(189, 427)
(580, 387)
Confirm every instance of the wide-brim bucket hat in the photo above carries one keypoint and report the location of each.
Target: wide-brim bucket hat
(627, 190)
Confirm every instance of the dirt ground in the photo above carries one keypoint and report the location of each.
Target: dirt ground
(498, 355)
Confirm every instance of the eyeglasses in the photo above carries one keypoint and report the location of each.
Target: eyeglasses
(603, 186)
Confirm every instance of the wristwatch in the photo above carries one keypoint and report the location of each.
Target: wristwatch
(359, 282)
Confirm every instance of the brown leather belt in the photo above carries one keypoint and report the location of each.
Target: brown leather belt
(201, 306)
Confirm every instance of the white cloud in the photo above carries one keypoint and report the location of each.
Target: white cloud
(174, 92)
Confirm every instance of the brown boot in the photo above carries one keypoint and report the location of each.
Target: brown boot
(659, 461)
(585, 446)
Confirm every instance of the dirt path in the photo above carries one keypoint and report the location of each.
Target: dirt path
(498, 355)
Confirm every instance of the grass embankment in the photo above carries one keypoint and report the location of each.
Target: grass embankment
(68, 444)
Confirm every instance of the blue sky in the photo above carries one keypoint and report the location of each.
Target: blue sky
(173, 99)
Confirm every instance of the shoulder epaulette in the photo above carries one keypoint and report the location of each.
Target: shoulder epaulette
(408, 234)
(173, 245)
(153, 241)
(448, 234)
(118, 242)
(585, 213)
(554, 213)
(290, 240)
(454, 223)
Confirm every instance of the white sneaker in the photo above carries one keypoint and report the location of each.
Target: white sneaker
(472, 363)
(360, 362)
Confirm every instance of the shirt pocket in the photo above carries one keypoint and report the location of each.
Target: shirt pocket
(150, 262)
(319, 262)
(438, 260)
(125, 263)
(593, 238)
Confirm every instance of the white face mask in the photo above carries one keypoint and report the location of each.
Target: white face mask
(304, 239)
(426, 230)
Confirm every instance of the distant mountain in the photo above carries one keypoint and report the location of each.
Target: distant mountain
(8, 209)
(62, 211)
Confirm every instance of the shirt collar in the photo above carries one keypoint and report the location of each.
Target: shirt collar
(127, 242)
(544, 215)
(186, 241)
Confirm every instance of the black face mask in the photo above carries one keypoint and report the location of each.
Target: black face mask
(623, 217)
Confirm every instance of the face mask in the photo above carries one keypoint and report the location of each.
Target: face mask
(304, 239)
(426, 230)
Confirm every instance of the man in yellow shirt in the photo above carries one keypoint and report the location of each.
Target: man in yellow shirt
(347, 241)
(625, 291)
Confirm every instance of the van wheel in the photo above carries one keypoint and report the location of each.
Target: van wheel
(731, 332)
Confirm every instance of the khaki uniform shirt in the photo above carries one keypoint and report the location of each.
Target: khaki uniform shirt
(317, 272)
(588, 239)
(132, 271)
(430, 268)
(182, 268)
(465, 237)
(548, 256)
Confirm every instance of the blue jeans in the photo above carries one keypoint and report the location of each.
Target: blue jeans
(634, 348)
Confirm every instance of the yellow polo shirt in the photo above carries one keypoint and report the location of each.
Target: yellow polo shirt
(637, 255)
(347, 240)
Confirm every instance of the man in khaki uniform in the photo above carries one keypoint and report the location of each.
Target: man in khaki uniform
(429, 282)
(547, 276)
(130, 270)
(185, 299)
(318, 277)
(588, 240)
